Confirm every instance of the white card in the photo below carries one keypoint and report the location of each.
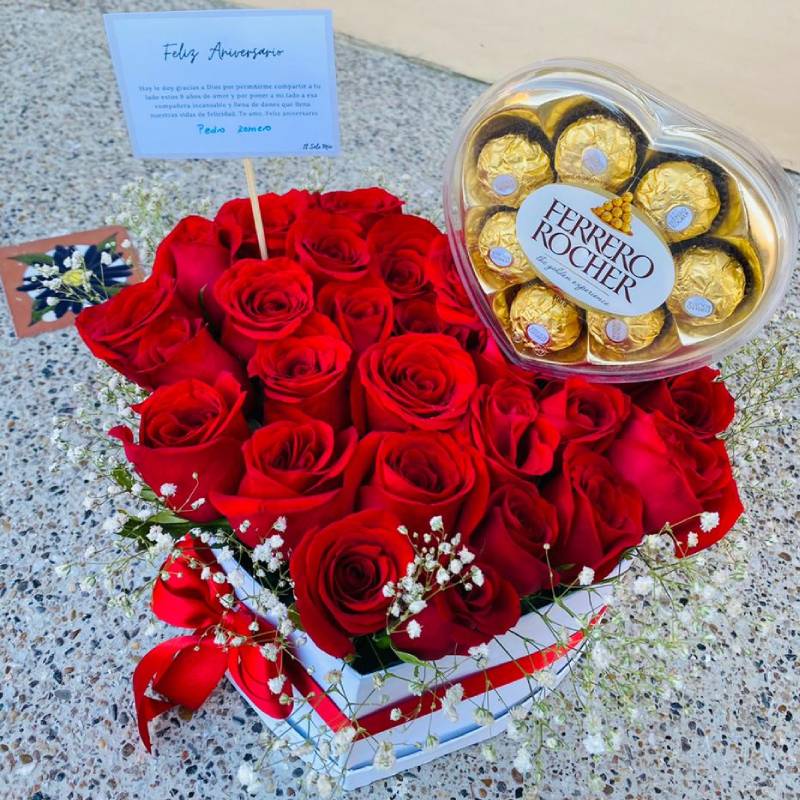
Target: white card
(226, 84)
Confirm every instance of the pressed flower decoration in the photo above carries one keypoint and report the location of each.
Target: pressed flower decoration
(72, 277)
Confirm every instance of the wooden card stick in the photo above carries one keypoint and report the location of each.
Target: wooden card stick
(251, 189)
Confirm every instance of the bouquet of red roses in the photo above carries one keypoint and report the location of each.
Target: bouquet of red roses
(340, 411)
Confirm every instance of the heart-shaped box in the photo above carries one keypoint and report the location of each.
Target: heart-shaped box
(605, 230)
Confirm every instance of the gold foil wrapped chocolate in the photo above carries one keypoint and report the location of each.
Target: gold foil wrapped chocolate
(625, 334)
(709, 285)
(510, 167)
(680, 197)
(596, 149)
(541, 319)
(500, 250)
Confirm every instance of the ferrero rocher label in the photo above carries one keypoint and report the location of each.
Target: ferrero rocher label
(625, 334)
(623, 270)
(500, 250)
(541, 319)
(680, 197)
(596, 149)
(511, 167)
(709, 285)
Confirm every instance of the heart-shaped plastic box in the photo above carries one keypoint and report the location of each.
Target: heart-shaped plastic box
(605, 230)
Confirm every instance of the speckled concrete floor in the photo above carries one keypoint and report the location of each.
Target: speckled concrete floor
(66, 727)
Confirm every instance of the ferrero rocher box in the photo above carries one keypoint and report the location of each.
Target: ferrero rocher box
(603, 229)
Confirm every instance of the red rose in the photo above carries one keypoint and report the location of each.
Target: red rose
(473, 338)
(238, 230)
(589, 413)
(294, 469)
(679, 475)
(511, 537)
(506, 426)
(304, 374)
(399, 247)
(600, 513)
(112, 330)
(193, 255)
(421, 315)
(365, 206)
(458, 618)
(190, 438)
(416, 316)
(339, 574)
(362, 312)
(262, 301)
(329, 247)
(413, 381)
(452, 300)
(175, 347)
(493, 366)
(421, 474)
(698, 399)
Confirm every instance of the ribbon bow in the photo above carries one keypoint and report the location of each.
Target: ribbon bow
(185, 670)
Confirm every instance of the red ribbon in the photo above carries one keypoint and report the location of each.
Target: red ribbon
(186, 669)
(475, 684)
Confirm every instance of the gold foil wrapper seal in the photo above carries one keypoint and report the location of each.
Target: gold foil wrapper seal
(543, 321)
(709, 285)
(500, 250)
(680, 197)
(510, 167)
(596, 150)
(625, 334)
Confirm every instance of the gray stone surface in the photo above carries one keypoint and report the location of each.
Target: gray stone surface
(66, 725)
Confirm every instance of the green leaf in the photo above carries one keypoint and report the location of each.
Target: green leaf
(167, 518)
(122, 477)
(34, 258)
(410, 659)
(110, 243)
(37, 312)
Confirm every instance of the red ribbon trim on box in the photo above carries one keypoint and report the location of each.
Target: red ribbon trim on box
(186, 669)
(477, 683)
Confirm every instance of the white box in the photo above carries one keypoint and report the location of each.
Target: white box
(545, 627)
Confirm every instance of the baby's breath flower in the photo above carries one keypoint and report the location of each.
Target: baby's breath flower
(384, 756)
(167, 489)
(270, 651)
(483, 716)
(522, 760)
(480, 653)
(586, 576)
(451, 701)
(343, 739)
(708, 521)
(279, 525)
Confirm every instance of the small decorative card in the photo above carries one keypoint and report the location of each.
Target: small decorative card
(226, 84)
(47, 282)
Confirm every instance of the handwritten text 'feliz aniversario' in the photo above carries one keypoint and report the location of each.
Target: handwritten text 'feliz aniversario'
(180, 52)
